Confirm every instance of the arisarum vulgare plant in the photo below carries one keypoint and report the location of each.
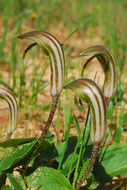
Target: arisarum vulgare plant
(52, 48)
(108, 63)
(88, 91)
(17, 153)
(10, 99)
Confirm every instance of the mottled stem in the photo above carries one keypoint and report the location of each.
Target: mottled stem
(107, 101)
(42, 137)
(91, 163)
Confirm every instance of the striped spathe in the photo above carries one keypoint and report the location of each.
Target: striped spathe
(88, 91)
(10, 99)
(51, 47)
(107, 60)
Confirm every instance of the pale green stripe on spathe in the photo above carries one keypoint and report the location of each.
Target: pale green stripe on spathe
(6, 95)
(106, 59)
(53, 47)
(88, 91)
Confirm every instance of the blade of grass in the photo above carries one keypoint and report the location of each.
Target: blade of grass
(13, 62)
(66, 141)
(77, 145)
(58, 124)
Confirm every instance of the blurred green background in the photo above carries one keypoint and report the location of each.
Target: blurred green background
(103, 19)
(86, 23)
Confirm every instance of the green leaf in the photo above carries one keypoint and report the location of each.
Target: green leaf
(72, 141)
(91, 184)
(14, 150)
(67, 163)
(21, 182)
(115, 188)
(118, 97)
(83, 169)
(48, 178)
(68, 159)
(81, 108)
(45, 156)
(123, 119)
(110, 111)
(77, 125)
(118, 134)
(43, 85)
(13, 182)
(7, 188)
(15, 142)
(114, 163)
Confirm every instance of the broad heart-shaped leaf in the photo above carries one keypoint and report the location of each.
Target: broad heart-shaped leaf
(48, 178)
(113, 163)
(46, 157)
(68, 154)
(14, 150)
(69, 157)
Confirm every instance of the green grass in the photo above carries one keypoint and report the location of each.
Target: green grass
(90, 20)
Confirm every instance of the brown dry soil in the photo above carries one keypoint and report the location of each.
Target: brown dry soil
(34, 126)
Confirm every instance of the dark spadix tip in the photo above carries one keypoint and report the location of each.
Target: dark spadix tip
(20, 36)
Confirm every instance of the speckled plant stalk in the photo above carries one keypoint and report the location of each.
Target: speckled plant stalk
(91, 163)
(52, 48)
(10, 99)
(42, 137)
(107, 60)
(88, 91)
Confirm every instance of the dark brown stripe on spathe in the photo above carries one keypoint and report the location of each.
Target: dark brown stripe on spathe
(100, 118)
(12, 103)
(84, 81)
(104, 108)
(94, 114)
(55, 65)
(104, 105)
(48, 36)
(81, 85)
(54, 57)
